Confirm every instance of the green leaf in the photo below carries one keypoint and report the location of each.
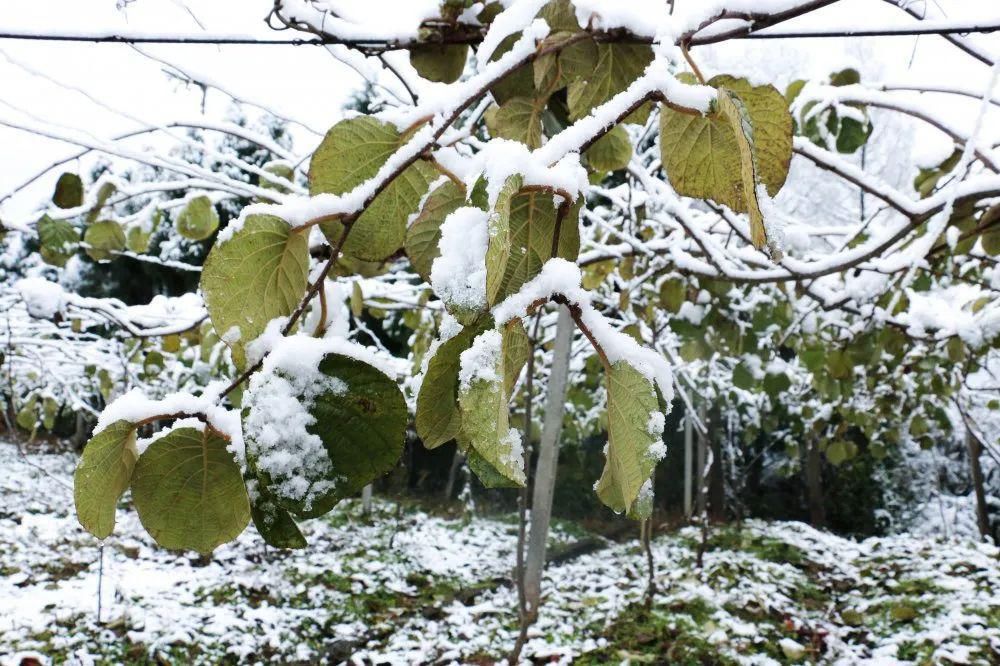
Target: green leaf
(69, 191)
(642, 507)
(137, 237)
(673, 293)
(839, 364)
(518, 119)
(702, 156)
(616, 67)
(104, 193)
(198, 220)
(104, 240)
(840, 451)
(611, 152)
(734, 111)
(522, 228)
(58, 240)
(443, 63)
(776, 384)
(424, 234)
(274, 524)
(516, 348)
(485, 412)
(438, 419)
(102, 475)
(634, 447)
(359, 416)
(351, 153)
(188, 491)
(257, 275)
(519, 83)
(743, 377)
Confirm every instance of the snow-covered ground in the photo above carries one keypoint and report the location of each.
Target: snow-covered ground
(403, 587)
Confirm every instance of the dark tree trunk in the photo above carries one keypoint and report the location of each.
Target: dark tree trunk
(814, 484)
(982, 514)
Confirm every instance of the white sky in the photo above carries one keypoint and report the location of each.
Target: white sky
(308, 84)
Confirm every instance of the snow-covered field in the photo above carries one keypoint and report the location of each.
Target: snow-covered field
(405, 587)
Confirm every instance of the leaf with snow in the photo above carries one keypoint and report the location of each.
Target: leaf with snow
(438, 418)
(616, 67)
(319, 434)
(257, 275)
(351, 153)
(522, 227)
(103, 474)
(188, 491)
(485, 413)
(634, 445)
(704, 157)
(424, 234)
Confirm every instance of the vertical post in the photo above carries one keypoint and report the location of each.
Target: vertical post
(701, 492)
(545, 468)
(366, 499)
(688, 464)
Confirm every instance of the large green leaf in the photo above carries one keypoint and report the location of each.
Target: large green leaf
(104, 240)
(258, 274)
(518, 83)
(198, 220)
(522, 228)
(702, 154)
(634, 445)
(438, 419)
(102, 475)
(358, 415)
(58, 240)
(518, 119)
(350, 154)
(485, 412)
(189, 492)
(69, 191)
(423, 235)
(616, 67)
(443, 63)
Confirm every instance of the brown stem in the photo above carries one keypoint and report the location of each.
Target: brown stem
(692, 63)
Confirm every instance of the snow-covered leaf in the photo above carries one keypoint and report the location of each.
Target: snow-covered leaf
(424, 234)
(616, 67)
(350, 154)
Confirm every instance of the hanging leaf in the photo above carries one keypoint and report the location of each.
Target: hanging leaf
(104, 240)
(634, 444)
(443, 63)
(616, 67)
(702, 154)
(611, 152)
(485, 413)
(516, 348)
(242, 295)
(58, 240)
(69, 191)
(518, 119)
(424, 234)
(522, 228)
(351, 153)
(342, 426)
(734, 111)
(198, 220)
(102, 475)
(104, 193)
(274, 524)
(438, 419)
(188, 491)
